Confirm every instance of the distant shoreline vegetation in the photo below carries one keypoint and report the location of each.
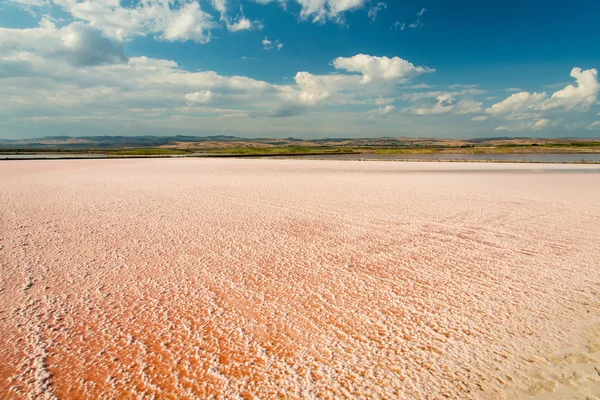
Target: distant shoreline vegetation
(122, 146)
(296, 150)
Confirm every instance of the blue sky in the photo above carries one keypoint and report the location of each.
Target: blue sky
(302, 68)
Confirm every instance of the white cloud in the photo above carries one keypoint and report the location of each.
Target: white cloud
(142, 82)
(436, 103)
(321, 10)
(316, 88)
(313, 89)
(268, 44)
(33, 3)
(380, 112)
(479, 118)
(436, 109)
(463, 86)
(419, 86)
(187, 21)
(383, 101)
(77, 43)
(36, 86)
(373, 11)
(443, 106)
(219, 5)
(594, 125)
(379, 76)
(242, 23)
(414, 97)
(418, 23)
(203, 97)
(517, 104)
(380, 68)
(463, 107)
(525, 105)
(398, 25)
(542, 123)
(581, 96)
(529, 126)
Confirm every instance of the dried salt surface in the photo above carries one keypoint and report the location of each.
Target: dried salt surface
(298, 279)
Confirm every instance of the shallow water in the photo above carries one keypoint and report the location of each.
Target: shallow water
(545, 158)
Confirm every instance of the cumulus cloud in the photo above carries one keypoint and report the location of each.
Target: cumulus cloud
(203, 97)
(313, 88)
(139, 83)
(317, 88)
(219, 5)
(526, 105)
(517, 104)
(77, 43)
(380, 68)
(36, 86)
(169, 22)
(378, 76)
(581, 96)
(479, 118)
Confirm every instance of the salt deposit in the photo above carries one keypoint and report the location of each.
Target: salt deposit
(192, 278)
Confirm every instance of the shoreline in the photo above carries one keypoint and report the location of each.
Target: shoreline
(315, 156)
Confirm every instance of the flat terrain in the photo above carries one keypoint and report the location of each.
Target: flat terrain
(240, 278)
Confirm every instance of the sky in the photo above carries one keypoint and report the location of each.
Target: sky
(300, 68)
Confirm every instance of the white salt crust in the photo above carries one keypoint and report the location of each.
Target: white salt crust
(204, 278)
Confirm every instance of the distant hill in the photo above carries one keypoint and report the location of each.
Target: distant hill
(64, 142)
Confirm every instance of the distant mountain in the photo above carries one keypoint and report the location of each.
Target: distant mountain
(88, 142)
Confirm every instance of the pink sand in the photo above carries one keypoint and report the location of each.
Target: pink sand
(297, 279)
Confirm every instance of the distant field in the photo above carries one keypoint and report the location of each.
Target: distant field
(120, 146)
(249, 150)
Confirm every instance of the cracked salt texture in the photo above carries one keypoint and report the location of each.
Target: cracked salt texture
(298, 279)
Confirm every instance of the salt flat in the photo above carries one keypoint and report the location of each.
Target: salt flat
(192, 278)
